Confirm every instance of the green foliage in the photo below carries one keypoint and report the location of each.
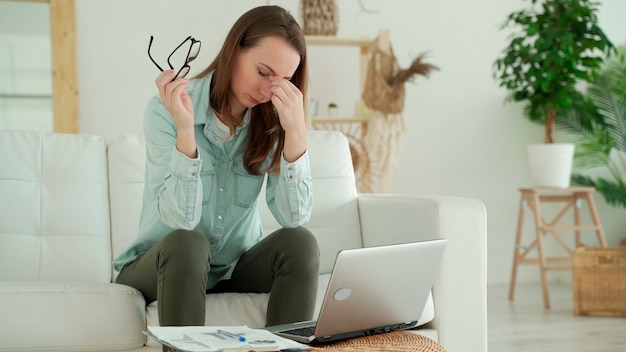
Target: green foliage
(600, 128)
(614, 193)
(559, 43)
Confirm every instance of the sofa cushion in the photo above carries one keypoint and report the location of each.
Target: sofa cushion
(126, 156)
(54, 217)
(70, 316)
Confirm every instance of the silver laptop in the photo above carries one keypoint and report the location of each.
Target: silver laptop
(372, 290)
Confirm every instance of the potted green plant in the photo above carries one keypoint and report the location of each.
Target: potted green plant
(599, 129)
(558, 44)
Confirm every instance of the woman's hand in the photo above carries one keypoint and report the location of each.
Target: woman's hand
(289, 104)
(288, 101)
(175, 98)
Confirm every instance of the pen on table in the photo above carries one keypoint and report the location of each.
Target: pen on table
(231, 335)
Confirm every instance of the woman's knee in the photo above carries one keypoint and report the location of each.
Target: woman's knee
(297, 242)
(185, 246)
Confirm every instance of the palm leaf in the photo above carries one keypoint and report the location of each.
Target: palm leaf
(576, 121)
(582, 180)
(594, 143)
(591, 151)
(615, 69)
(612, 110)
(617, 164)
(614, 193)
(602, 143)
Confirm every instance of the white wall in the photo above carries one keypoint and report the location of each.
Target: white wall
(461, 138)
(25, 66)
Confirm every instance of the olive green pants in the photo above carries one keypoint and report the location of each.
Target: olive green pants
(174, 272)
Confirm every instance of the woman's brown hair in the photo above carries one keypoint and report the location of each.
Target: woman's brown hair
(265, 130)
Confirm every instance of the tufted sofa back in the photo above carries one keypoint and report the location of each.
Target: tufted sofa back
(71, 203)
(54, 212)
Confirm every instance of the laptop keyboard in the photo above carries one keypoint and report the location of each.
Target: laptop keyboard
(305, 331)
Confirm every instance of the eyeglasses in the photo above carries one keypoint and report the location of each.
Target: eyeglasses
(194, 49)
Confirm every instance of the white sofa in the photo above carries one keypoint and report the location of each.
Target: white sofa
(70, 203)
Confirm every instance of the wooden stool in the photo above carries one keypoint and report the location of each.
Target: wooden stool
(534, 197)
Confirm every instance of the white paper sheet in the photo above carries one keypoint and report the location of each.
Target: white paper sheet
(208, 339)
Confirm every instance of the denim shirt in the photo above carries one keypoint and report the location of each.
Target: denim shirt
(213, 193)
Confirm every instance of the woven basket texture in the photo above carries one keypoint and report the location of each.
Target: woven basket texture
(393, 341)
(600, 281)
(320, 17)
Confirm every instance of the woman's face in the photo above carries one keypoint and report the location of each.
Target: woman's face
(253, 67)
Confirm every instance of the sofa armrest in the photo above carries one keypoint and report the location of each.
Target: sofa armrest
(460, 290)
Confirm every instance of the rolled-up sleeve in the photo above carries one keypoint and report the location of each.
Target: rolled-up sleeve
(290, 193)
(180, 198)
(174, 178)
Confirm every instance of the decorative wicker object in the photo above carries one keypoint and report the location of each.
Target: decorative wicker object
(397, 341)
(366, 170)
(600, 281)
(320, 17)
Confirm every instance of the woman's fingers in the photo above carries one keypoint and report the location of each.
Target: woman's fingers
(174, 97)
(163, 79)
(285, 91)
(287, 99)
(170, 91)
(173, 90)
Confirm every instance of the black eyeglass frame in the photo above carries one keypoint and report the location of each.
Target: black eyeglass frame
(184, 70)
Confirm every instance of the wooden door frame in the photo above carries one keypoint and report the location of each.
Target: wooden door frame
(64, 76)
(64, 72)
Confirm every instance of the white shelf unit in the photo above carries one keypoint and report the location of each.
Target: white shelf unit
(366, 170)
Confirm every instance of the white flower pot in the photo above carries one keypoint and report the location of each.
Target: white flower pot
(551, 164)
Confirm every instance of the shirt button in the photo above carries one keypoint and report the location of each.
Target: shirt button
(221, 189)
(193, 174)
(290, 168)
(219, 217)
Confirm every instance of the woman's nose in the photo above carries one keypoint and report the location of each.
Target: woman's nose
(265, 90)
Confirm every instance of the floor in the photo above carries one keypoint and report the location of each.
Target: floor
(524, 325)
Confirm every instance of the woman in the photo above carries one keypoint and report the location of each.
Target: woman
(210, 142)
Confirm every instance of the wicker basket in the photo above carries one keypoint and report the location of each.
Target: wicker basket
(600, 281)
(394, 341)
(320, 17)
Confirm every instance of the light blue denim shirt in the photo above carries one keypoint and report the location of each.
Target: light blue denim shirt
(212, 194)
